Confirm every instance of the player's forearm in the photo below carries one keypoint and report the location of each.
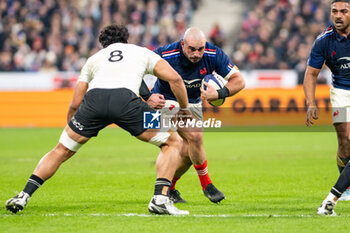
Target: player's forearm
(178, 88)
(310, 85)
(309, 91)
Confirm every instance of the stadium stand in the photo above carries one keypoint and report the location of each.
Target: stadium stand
(48, 35)
(279, 34)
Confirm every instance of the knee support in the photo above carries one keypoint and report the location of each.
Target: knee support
(160, 138)
(69, 142)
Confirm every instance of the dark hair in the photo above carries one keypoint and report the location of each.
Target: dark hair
(113, 34)
(333, 1)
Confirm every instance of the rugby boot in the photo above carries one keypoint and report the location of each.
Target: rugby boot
(327, 208)
(160, 204)
(18, 202)
(174, 196)
(213, 194)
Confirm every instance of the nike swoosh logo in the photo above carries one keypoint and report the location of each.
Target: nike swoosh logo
(344, 58)
(191, 81)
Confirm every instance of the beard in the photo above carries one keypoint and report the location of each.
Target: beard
(195, 59)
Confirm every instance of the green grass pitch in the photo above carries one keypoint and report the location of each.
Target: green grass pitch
(273, 181)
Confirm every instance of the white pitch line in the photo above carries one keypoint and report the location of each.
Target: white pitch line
(193, 215)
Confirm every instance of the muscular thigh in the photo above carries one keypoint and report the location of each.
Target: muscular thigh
(343, 130)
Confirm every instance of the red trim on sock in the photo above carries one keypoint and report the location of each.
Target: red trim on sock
(202, 171)
(173, 183)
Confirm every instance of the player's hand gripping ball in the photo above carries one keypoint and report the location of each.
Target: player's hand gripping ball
(217, 82)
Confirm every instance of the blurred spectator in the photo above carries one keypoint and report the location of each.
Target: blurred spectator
(49, 35)
(216, 36)
(279, 34)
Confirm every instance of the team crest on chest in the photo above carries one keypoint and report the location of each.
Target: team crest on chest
(203, 71)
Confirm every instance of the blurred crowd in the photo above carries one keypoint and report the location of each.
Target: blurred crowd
(59, 35)
(279, 34)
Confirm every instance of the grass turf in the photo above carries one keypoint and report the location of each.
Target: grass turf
(273, 182)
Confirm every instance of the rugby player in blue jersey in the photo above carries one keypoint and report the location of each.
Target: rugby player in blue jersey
(193, 58)
(332, 47)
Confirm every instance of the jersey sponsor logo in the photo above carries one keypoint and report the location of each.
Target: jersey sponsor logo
(346, 65)
(192, 84)
(203, 71)
(333, 53)
(77, 124)
(192, 81)
(197, 85)
(151, 120)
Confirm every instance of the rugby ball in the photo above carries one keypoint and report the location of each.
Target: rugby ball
(217, 82)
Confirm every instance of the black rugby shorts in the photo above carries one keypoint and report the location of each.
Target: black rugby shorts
(102, 107)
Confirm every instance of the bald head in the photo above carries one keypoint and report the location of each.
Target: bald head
(194, 34)
(193, 44)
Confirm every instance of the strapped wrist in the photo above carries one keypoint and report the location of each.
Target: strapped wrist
(223, 92)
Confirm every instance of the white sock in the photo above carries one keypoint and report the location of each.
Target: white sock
(331, 197)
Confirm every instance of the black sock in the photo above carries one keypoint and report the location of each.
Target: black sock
(33, 184)
(343, 182)
(162, 187)
(340, 168)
